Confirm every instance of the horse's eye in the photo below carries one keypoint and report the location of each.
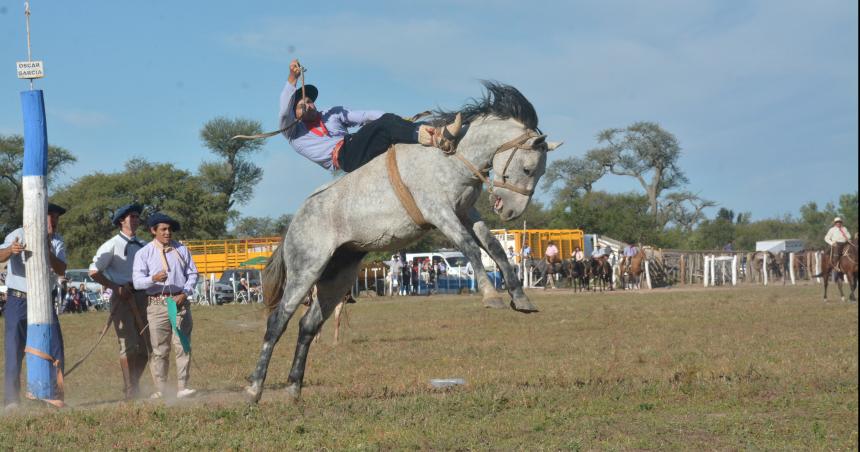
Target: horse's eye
(528, 171)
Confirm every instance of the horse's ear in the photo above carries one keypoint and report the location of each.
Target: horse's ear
(553, 145)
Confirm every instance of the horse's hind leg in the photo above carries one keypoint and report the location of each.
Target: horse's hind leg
(839, 277)
(335, 281)
(853, 285)
(299, 282)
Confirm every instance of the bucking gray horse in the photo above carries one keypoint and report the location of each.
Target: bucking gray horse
(361, 212)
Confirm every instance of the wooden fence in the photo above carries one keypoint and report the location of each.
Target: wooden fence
(716, 268)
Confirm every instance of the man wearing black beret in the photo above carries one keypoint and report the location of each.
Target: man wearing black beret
(111, 267)
(164, 269)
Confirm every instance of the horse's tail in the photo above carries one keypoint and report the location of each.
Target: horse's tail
(274, 279)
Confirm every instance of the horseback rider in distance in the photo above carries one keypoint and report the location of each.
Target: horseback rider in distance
(630, 251)
(323, 137)
(837, 237)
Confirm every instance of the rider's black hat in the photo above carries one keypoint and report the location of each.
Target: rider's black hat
(53, 208)
(123, 211)
(158, 218)
(311, 91)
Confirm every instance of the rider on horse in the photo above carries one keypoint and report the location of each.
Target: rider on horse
(837, 237)
(627, 259)
(322, 136)
(553, 262)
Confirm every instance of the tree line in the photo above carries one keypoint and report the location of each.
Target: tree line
(665, 213)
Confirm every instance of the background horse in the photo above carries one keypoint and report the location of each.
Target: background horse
(774, 265)
(362, 212)
(600, 273)
(632, 271)
(848, 264)
(548, 271)
(576, 273)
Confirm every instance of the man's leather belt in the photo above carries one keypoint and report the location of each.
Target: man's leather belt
(335, 155)
(160, 299)
(163, 296)
(17, 294)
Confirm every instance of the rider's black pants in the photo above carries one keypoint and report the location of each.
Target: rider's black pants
(374, 138)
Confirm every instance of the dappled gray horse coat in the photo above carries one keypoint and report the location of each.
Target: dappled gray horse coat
(358, 213)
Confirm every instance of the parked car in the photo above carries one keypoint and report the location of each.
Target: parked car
(223, 292)
(224, 285)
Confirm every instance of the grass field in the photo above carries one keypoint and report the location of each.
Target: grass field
(760, 368)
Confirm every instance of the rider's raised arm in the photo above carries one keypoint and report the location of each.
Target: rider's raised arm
(287, 115)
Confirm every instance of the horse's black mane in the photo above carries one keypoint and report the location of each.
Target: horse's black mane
(500, 100)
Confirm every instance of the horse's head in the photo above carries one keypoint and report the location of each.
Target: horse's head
(517, 166)
(501, 134)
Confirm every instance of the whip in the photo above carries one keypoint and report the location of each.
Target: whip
(288, 127)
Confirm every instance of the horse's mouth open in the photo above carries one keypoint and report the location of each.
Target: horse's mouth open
(498, 204)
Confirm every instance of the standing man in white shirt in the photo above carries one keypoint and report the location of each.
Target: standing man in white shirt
(112, 268)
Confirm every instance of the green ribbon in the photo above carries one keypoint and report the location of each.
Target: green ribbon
(172, 310)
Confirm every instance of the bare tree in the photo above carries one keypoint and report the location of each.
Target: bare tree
(575, 173)
(235, 176)
(645, 152)
(683, 208)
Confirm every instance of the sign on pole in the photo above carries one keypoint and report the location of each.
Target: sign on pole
(30, 69)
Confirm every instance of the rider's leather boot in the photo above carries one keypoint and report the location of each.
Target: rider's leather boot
(444, 138)
(129, 390)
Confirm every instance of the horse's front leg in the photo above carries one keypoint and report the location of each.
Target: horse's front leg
(487, 241)
(465, 240)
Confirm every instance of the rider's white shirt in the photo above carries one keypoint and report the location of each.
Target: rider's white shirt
(835, 235)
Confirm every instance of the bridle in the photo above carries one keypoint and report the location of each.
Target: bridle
(515, 144)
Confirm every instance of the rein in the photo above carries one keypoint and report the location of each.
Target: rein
(515, 144)
(404, 195)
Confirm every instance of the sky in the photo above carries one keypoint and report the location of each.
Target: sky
(761, 95)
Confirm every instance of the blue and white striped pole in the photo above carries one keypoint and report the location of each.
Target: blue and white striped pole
(41, 372)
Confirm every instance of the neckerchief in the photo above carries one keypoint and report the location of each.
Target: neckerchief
(129, 241)
(317, 128)
(163, 250)
(842, 231)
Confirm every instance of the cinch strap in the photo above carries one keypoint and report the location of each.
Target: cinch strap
(402, 191)
(60, 389)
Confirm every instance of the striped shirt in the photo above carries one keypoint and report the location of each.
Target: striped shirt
(181, 271)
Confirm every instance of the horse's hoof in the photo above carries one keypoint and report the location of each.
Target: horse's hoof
(523, 305)
(253, 393)
(294, 391)
(494, 302)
